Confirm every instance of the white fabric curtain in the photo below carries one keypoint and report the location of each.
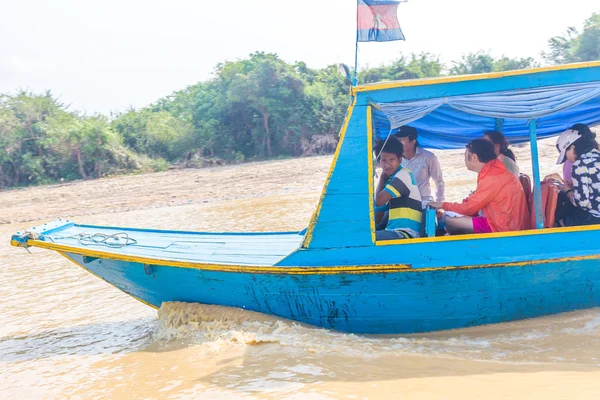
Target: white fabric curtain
(514, 104)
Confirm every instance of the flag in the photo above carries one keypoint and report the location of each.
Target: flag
(377, 21)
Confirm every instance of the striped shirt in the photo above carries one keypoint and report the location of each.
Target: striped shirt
(405, 212)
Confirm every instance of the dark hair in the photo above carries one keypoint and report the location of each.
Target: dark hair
(484, 149)
(587, 141)
(498, 138)
(407, 131)
(390, 146)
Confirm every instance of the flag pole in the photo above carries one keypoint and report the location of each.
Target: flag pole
(355, 79)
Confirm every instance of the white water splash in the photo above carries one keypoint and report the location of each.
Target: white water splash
(523, 341)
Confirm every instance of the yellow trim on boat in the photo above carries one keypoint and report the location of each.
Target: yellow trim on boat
(463, 78)
(480, 236)
(370, 168)
(510, 264)
(315, 216)
(312, 270)
(330, 270)
(111, 284)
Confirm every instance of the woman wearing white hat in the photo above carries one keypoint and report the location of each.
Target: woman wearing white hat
(579, 203)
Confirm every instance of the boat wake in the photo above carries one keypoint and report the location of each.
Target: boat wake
(203, 323)
(565, 338)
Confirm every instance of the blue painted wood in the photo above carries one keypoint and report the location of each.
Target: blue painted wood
(162, 231)
(476, 86)
(223, 248)
(403, 302)
(344, 217)
(498, 124)
(437, 254)
(537, 188)
(430, 216)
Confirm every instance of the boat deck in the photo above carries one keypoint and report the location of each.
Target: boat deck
(258, 249)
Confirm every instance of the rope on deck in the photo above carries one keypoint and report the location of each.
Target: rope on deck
(116, 240)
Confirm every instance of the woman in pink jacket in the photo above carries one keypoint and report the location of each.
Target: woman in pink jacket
(499, 195)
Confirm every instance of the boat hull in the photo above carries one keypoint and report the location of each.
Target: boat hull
(405, 301)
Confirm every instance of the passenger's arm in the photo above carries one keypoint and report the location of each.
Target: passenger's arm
(435, 204)
(484, 193)
(396, 188)
(382, 179)
(382, 198)
(553, 176)
(436, 174)
(379, 217)
(582, 189)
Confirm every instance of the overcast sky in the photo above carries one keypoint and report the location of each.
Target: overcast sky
(112, 54)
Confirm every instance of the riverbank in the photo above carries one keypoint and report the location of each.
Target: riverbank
(302, 177)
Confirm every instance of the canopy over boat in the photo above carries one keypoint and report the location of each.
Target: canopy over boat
(499, 101)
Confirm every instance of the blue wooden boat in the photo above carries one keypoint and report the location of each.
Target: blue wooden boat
(335, 274)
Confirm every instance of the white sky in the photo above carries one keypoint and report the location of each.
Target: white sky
(111, 54)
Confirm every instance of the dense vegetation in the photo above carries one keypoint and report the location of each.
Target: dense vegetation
(256, 108)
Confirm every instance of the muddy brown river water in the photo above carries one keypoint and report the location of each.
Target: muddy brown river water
(66, 334)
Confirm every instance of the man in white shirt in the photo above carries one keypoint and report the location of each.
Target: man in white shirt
(422, 163)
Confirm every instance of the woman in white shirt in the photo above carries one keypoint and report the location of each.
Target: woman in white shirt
(422, 163)
(502, 151)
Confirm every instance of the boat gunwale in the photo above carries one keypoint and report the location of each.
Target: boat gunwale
(492, 235)
(291, 270)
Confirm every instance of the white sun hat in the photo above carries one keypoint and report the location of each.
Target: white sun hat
(565, 140)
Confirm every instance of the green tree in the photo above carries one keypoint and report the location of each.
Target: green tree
(482, 62)
(509, 64)
(43, 142)
(574, 46)
(473, 63)
(93, 144)
(265, 92)
(423, 65)
(25, 130)
(157, 134)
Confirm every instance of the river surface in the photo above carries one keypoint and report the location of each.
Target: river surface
(66, 334)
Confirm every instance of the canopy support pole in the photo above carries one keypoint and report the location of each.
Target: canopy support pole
(499, 124)
(537, 187)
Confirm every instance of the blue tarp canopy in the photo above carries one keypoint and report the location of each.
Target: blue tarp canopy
(451, 122)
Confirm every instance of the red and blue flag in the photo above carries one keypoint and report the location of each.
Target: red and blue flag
(377, 21)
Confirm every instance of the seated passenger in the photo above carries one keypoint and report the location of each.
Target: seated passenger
(422, 163)
(567, 170)
(503, 153)
(499, 195)
(567, 175)
(400, 195)
(579, 203)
